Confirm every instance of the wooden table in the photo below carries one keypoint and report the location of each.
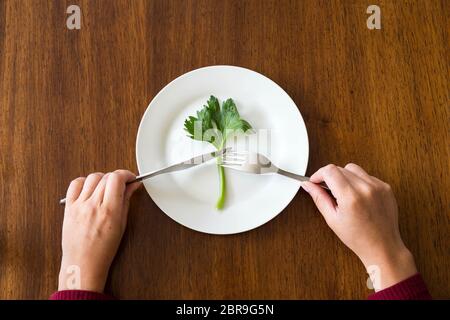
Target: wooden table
(71, 102)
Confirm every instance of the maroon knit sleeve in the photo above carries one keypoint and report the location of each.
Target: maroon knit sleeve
(412, 288)
(80, 295)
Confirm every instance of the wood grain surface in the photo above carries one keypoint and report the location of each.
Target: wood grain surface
(71, 102)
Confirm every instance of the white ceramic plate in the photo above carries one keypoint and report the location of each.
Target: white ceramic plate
(189, 196)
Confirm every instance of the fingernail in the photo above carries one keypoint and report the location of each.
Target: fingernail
(305, 186)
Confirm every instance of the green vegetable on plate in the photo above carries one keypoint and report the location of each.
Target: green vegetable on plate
(215, 124)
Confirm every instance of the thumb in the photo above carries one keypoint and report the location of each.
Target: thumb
(322, 200)
(131, 188)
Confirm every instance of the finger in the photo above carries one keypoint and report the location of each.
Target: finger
(379, 182)
(131, 188)
(358, 171)
(99, 191)
(334, 178)
(90, 184)
(354, 179)
(74, 190)
(322, 199)
(115, 188)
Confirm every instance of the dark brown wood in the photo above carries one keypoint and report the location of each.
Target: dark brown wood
(71, 102)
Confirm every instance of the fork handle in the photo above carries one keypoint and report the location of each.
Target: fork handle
(300, 178)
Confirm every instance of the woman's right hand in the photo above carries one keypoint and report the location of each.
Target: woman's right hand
(364, 215)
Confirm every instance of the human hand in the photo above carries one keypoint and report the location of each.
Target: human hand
(95, 218)
(364, 216)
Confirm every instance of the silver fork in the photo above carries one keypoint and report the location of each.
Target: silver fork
(256, 163)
